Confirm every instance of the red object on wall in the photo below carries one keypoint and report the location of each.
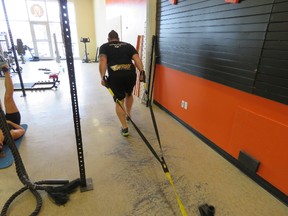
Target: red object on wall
(173, 2)
(125, 1)
(232, 1)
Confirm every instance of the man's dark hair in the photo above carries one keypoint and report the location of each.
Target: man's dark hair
(113, 35)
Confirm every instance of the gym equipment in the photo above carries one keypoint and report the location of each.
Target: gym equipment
(13, 48)
(3, 60)
(85, 57)
(97, 55)
(160, 159)
(59, 193)
(6, 53)
(206, 210)
(3, 43)
(33, 58)
(21, 50)
(46, 70)
(40, 85)
(8, 159)
(58, 57)
(86, 184)
(61, 189)
(147, 94)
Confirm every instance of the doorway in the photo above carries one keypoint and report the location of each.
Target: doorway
(41, 40)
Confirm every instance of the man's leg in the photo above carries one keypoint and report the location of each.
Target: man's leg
(121, 115)
(9, 103)
(128, 103)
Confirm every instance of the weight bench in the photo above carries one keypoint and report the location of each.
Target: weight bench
(40, 85)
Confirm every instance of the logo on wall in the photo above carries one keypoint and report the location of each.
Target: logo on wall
(37, 10)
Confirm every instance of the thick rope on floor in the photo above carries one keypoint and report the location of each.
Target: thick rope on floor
(59, 193)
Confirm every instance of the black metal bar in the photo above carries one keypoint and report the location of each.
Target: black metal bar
(154, 67)
(149, 92)
(73, 89)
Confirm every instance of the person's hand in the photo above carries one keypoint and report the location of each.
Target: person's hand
(1, 138)
(104, 81)
(4, 67)
(3, 64)
(9, 122)
(142, 77)
(1, 144)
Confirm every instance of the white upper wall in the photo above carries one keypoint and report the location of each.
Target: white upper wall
(100, 22)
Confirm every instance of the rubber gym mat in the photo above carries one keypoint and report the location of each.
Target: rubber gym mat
(8, 159)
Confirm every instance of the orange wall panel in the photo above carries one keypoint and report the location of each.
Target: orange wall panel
(231, 119)
(266, 139)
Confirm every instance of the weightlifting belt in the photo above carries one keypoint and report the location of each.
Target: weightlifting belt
(121, 67)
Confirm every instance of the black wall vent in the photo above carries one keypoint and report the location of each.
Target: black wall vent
(248, 161)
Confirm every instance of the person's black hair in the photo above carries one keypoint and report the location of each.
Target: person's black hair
(113, 35)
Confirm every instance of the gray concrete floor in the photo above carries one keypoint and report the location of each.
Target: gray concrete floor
(127, 179)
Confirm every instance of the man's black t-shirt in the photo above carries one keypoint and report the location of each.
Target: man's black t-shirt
(117, 52)
(121, 70)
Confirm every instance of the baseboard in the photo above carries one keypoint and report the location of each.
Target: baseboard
(258, 179)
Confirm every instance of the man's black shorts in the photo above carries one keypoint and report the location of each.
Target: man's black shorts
(122, 82)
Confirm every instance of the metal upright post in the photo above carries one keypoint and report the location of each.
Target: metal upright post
(86, 184)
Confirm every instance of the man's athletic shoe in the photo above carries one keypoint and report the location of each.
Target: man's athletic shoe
(124, 132)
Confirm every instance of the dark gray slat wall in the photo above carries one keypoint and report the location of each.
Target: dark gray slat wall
(272, 76)
(219, 41)
(215, 26)
(196, 7)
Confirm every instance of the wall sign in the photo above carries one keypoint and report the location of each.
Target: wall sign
(37, 10)
(173, 2)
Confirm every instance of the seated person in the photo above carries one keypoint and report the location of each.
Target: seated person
(12, 115)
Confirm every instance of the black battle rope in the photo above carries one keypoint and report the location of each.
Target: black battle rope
(20, 169)
(160, 159)
(150, 92)
(13, 49)
(205, 209)
(58, 193)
